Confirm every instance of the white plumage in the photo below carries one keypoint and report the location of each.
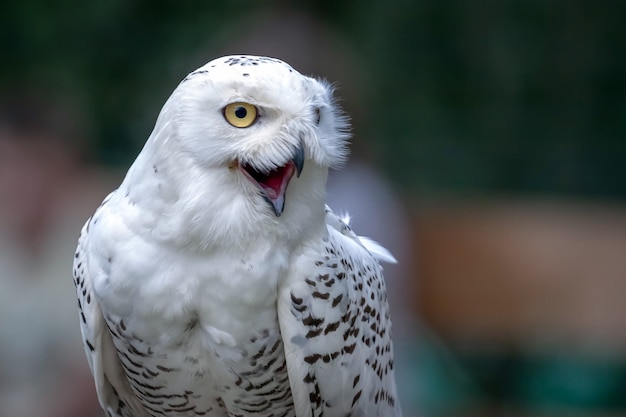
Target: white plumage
(215, 282)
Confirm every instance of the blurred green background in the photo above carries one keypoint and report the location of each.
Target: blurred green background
(474, 97)
(449, 99)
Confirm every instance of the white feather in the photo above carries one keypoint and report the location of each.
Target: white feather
(186, 276)
(376, 249)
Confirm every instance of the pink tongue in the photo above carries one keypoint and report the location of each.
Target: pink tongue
(276, 182)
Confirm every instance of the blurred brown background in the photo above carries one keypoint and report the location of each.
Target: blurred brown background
(488, 155)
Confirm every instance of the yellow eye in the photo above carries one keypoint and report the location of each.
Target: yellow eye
(240, 114)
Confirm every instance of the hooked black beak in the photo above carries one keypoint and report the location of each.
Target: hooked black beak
(298, 160)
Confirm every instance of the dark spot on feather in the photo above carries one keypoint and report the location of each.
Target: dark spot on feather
(349, 349)
(313, 333)
(331, 327)
(323, 296)
(311, 359)
(337, 300)
(311, 321)
(295, 299)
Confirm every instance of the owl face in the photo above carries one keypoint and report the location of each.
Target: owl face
(259, 117)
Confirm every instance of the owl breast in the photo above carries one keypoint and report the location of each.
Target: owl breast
(195, 371)
(207, 343)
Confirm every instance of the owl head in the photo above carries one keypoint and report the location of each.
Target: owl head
(257, 119)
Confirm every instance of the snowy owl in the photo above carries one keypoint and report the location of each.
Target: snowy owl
(215, 282)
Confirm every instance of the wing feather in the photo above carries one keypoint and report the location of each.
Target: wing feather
(334, 318)
(114, 393)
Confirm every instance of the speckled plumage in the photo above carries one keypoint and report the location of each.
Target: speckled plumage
(198, 298)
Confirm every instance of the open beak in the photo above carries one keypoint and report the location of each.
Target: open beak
(273, 184)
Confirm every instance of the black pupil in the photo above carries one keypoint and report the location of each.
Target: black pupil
(241, 112)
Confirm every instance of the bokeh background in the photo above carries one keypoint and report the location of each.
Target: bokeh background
(489, 155)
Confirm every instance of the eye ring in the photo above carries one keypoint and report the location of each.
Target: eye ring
(240, 114)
